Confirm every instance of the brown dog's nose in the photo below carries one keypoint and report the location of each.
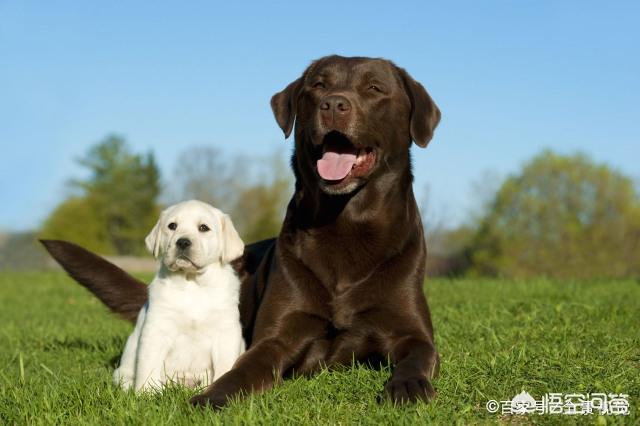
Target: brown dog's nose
(335, 111)
(336, 104)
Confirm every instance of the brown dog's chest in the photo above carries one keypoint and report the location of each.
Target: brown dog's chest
(352, 275)
(341, 260)
(343, 306)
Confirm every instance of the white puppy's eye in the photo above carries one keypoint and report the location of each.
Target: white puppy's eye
(203, 228)
(173, 226)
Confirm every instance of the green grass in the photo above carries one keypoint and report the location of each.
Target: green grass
(58, 347)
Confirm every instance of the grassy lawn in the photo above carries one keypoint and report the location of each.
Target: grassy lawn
(58, 348)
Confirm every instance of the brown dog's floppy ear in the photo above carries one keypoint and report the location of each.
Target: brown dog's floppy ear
(425, 115)
(284, 105)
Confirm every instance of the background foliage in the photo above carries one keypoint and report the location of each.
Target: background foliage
(253, 190)
(117, 204)
(559, 216)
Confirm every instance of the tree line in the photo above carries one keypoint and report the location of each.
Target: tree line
(113, 209)
(559, 216)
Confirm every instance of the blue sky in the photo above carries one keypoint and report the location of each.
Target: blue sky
(511, 79)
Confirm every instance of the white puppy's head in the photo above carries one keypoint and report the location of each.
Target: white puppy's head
(192, 235)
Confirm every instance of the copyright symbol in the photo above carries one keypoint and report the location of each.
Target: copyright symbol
(492, 406)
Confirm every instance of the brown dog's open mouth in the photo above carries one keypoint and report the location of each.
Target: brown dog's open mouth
(342, 160)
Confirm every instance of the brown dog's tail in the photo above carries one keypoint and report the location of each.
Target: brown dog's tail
(122, 293)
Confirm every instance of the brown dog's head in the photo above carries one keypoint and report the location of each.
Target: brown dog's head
(353, 118)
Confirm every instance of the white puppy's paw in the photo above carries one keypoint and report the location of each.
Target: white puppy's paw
(123, 378)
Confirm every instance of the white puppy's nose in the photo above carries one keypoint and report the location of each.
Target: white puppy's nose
(183, 243)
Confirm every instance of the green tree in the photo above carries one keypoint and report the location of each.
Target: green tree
(562, 216)
(117, 205)
(78, 220)
(259, 213)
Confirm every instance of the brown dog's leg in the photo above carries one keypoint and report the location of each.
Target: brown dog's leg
(416, 363)
(122, 293)
(265, 362)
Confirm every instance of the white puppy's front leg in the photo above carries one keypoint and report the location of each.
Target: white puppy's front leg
(156, 339)
(226, 350)
(124, 375)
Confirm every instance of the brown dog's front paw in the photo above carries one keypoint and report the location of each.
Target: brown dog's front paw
(409, 390)
(213, 400)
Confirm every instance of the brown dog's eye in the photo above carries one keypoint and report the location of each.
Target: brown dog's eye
(173, 226)
(203, 228)
(319, 85)
(374, 87)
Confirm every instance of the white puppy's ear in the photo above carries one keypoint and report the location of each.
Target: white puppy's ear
(232, 245)
(152, 240)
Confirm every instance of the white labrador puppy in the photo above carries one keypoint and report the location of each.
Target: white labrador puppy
(189, 331)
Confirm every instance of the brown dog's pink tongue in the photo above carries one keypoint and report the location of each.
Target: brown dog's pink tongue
(335, 166)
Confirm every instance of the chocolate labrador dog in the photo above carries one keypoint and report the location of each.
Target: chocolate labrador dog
(344, 279)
